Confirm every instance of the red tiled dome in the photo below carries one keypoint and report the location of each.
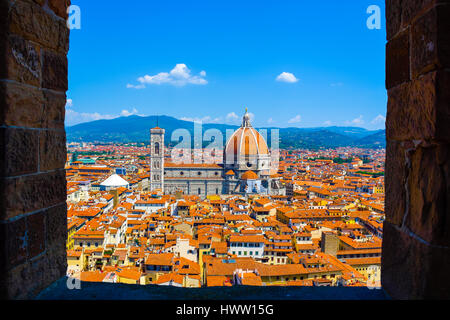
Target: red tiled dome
(249, 175)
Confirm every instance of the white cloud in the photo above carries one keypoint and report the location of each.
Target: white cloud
(296, 119)
(232, 117)
(270, 120)
(287, 77)
(327, 123)
(357, 121)
(206, 119)
(74, 117)
(180, 76)
(379, 119)
(126, 113)
(139, 86)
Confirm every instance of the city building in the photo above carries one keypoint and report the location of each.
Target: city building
(247, 167)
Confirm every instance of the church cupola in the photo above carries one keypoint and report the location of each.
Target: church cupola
(246, 120)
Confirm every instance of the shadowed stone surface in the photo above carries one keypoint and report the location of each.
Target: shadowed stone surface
(416, 270)
(18, 150)
(109, 291)
(416, 235)
(397, 63)
(34, 40)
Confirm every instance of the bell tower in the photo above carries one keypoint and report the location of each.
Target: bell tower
(157, 159)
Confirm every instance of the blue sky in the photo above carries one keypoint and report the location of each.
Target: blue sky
(209, 59)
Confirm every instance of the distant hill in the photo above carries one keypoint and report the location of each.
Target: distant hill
(375, 140)
(133, 129)
(137, 129)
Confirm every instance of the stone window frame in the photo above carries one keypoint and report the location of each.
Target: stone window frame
(417, 141)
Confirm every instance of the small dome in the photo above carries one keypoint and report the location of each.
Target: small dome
(249, 175)
(115, 181)
(230, 173)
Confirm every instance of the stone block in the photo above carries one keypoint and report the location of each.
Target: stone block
(59, 7)
(4, 23)
(56, 226)
(397, 60)
(29, 278)
(431, 41)
(395, 182)
(20, 105)
(18, 151)
(32, 193)
(52, 150)
(394, 17)
(413, 9)
(36, 234)
(418, 110)
(54, 109)
(429, 194)
(14, 243)
(54, 71)
(412, 269)
(22, 61)
(18, 283)
(32, 22)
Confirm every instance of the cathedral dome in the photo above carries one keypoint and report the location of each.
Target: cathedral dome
(246, 141)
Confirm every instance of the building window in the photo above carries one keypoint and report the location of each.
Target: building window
(199, 191)
(156, 148)
(199, 173)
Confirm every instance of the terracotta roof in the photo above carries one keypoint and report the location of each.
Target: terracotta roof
(249, 175)
(169, 277)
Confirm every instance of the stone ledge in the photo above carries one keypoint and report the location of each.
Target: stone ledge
(118, 291)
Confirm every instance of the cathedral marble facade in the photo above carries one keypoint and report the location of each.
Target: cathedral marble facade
(246, 169)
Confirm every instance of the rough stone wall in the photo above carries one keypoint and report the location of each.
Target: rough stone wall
(34, 42)
(416, 239)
